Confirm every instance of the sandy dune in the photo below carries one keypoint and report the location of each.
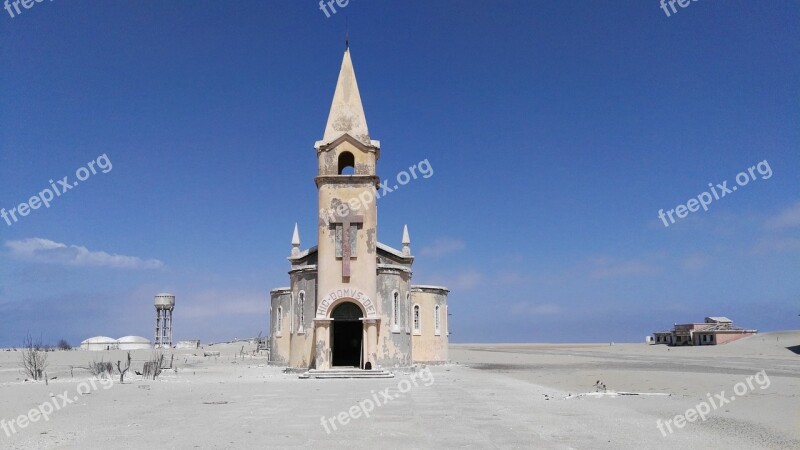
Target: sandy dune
(492, 396)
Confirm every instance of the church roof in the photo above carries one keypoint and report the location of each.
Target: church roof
(429, 287)
(381, 248)
(347, 113)
(303, 254)
(390, 250)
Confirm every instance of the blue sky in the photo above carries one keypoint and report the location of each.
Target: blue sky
(556, 130)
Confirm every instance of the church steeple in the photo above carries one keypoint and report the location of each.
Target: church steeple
(295, 242)
(406, 242)
(347, 113)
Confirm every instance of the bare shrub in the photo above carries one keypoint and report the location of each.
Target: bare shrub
(122, 372)
(33, 358)
(63, 345)
(152, 368)
(101, 369)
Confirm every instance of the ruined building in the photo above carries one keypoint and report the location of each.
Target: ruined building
(713, 331)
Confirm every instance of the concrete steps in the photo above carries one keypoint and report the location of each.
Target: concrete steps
(345, 373)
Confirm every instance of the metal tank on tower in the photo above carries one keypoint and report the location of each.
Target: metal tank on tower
(165, 304)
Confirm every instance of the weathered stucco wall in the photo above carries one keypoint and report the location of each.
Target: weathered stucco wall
(429, 346)
(722, 337)
(394, 342)
(280, 339)
(304, 285)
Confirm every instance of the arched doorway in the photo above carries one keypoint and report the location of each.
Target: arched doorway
(347, 334)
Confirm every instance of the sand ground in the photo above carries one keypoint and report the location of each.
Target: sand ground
(491, 396)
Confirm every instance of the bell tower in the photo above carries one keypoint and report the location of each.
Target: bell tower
(348, 218)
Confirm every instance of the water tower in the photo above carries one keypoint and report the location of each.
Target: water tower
(165, 303)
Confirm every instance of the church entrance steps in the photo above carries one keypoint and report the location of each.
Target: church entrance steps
(348, 372)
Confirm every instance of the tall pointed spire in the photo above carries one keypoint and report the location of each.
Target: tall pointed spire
(295, 241)
(347, 113)
(406, 242)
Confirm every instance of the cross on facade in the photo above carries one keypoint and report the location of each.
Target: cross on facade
(346, 222)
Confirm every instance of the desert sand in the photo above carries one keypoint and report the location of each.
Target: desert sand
(490, 396)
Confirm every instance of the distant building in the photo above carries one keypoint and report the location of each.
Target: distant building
(715, 330)
(99, 343)
(133, 343)
(189, 344)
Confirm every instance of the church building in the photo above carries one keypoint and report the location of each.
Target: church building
(351, 302)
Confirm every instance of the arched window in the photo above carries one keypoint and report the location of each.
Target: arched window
(395, 309)
(436, 322)
(447, 319)
(279, 321)
(395, 312)
(406, 309)
(347, 163)
(416, 319)
(301, 304)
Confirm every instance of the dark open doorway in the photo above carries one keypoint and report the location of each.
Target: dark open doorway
(347, 333)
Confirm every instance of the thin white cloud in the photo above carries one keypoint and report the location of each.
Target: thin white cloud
(463, 281)
(442, 247)
(513, 278)
(213, 303)
(695, 262)
(527, 309)
(788, 218)
(776, 244)
(612, 268)
(49, 252)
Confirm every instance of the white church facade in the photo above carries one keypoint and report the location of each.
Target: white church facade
(351, 302)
